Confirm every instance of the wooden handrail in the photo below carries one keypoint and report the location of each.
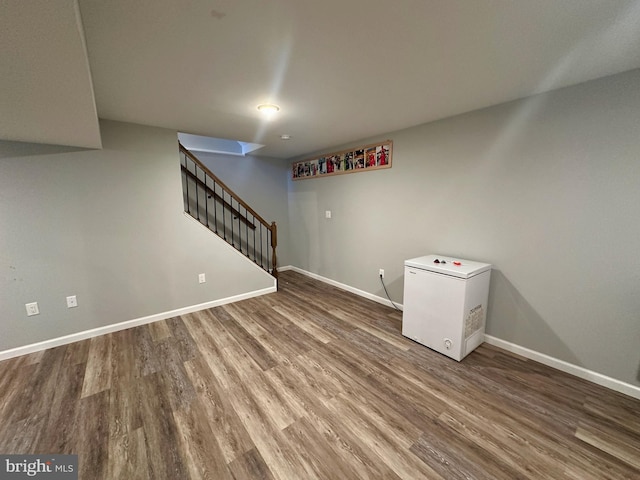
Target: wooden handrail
(223, 185)
(209, 191)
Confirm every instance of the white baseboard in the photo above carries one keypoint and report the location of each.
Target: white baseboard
(75, 337)
(342, 286)
(561, 365)
(566, 367)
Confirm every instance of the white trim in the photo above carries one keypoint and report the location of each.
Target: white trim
(75, 337)
(218, 152)
(342, 286)
(566, 367)
(561, 365)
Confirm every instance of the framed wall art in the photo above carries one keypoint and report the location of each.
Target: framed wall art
(359, 159)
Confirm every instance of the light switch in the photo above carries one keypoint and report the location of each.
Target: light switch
(327, 214)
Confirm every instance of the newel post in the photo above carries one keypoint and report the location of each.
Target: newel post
(274, 244)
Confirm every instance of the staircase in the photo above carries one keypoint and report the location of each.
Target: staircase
(217, 207)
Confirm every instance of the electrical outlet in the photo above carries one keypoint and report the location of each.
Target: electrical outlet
(381, 273)
(32, 309)
(202, 278)
(72, 301)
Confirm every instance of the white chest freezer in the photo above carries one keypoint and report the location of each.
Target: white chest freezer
(445, 303)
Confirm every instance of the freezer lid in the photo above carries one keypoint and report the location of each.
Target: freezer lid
(466, 269)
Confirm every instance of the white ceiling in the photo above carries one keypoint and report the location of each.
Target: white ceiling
(341, 70)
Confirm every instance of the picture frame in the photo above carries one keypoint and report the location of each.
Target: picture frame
(364, 158)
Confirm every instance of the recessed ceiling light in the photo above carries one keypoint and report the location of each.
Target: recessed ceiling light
(268, 108)
(285, 136)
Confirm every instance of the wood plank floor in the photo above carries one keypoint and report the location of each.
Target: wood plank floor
(308, 383)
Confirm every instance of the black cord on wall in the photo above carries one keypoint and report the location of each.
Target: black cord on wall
(387, 293)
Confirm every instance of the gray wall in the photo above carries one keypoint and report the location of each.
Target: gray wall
(546, 189)
(108, 226)
(262, 183)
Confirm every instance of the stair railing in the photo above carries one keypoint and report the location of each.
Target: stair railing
(210, 201)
